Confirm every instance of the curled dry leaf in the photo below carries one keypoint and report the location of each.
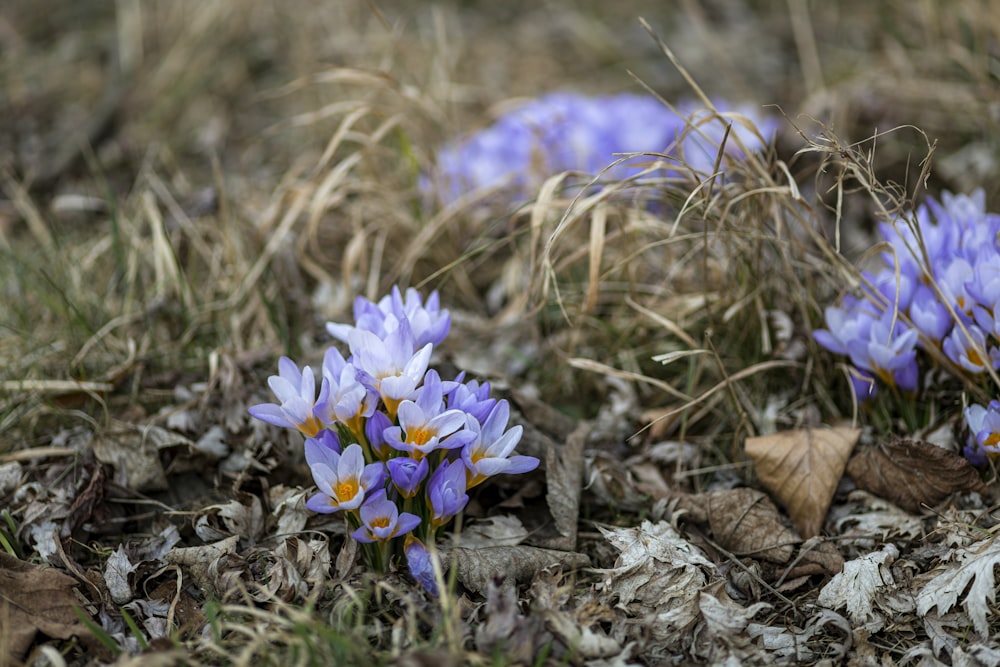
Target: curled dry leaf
(564, 478)
(662, 572)
(116, 575)
(912, 473)
(969, 574)
(495, 531)
(862, 588)
(746, 522)
(802, 469)
(134, 452)
(551, 598)
(476, 568)
(198, 559)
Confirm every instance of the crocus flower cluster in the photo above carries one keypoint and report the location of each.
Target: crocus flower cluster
(586, 135)
(390, 444)
(939, 288)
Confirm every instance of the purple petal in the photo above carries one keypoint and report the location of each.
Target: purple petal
(272, 414)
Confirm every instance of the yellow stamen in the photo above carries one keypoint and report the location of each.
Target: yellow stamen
(974, 357)
(419, 436)
(992, 440)
(381, 522)
(346, 489)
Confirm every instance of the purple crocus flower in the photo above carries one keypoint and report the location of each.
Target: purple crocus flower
(348, 401)
(418, 559)
(563, 132)
(392, 366)
(984, 431)
(297, 392)
(951, 278)
(984, 285)
(891, 291)
(702, 140)
(428, 322)
(407, 474)
(889, 353)
(471, 397)
(848, 326)
(929, 315)
(489, 453)
(446, 492)
(381, 520)
(970, 350)
(343, 480)
(424, 424)
(375, 428)
(322, 447)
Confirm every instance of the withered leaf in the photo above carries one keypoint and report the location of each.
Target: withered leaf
(746, 522)
(476, 568)
(658, 568)
(564, 478)
(198, 559)
(36, 600)
(133, 451)
(802, 469)
(912, 473)
(861, 585)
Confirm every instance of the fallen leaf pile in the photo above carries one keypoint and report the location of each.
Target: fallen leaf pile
(723, 575)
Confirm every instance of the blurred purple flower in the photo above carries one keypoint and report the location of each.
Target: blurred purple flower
(929, 315)
(419, 562)
(297, 392)
(984, 284)
(984, 431)
(891, 291)
(971, 351)
(569, 132)
(446, 492)
(848, 326)
(381, 520)
(343, 480)
(889, 353)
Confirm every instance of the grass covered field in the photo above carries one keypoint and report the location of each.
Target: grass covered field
(731, 268)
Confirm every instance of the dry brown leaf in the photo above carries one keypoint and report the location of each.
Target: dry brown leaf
(802, 469)
(867, 589)
(133, 451)
(564, 479)
(912, 474)
(746, 522)
(36, 600)
(551, 597)
(476, 568)
(656, 566)
(198, 559)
